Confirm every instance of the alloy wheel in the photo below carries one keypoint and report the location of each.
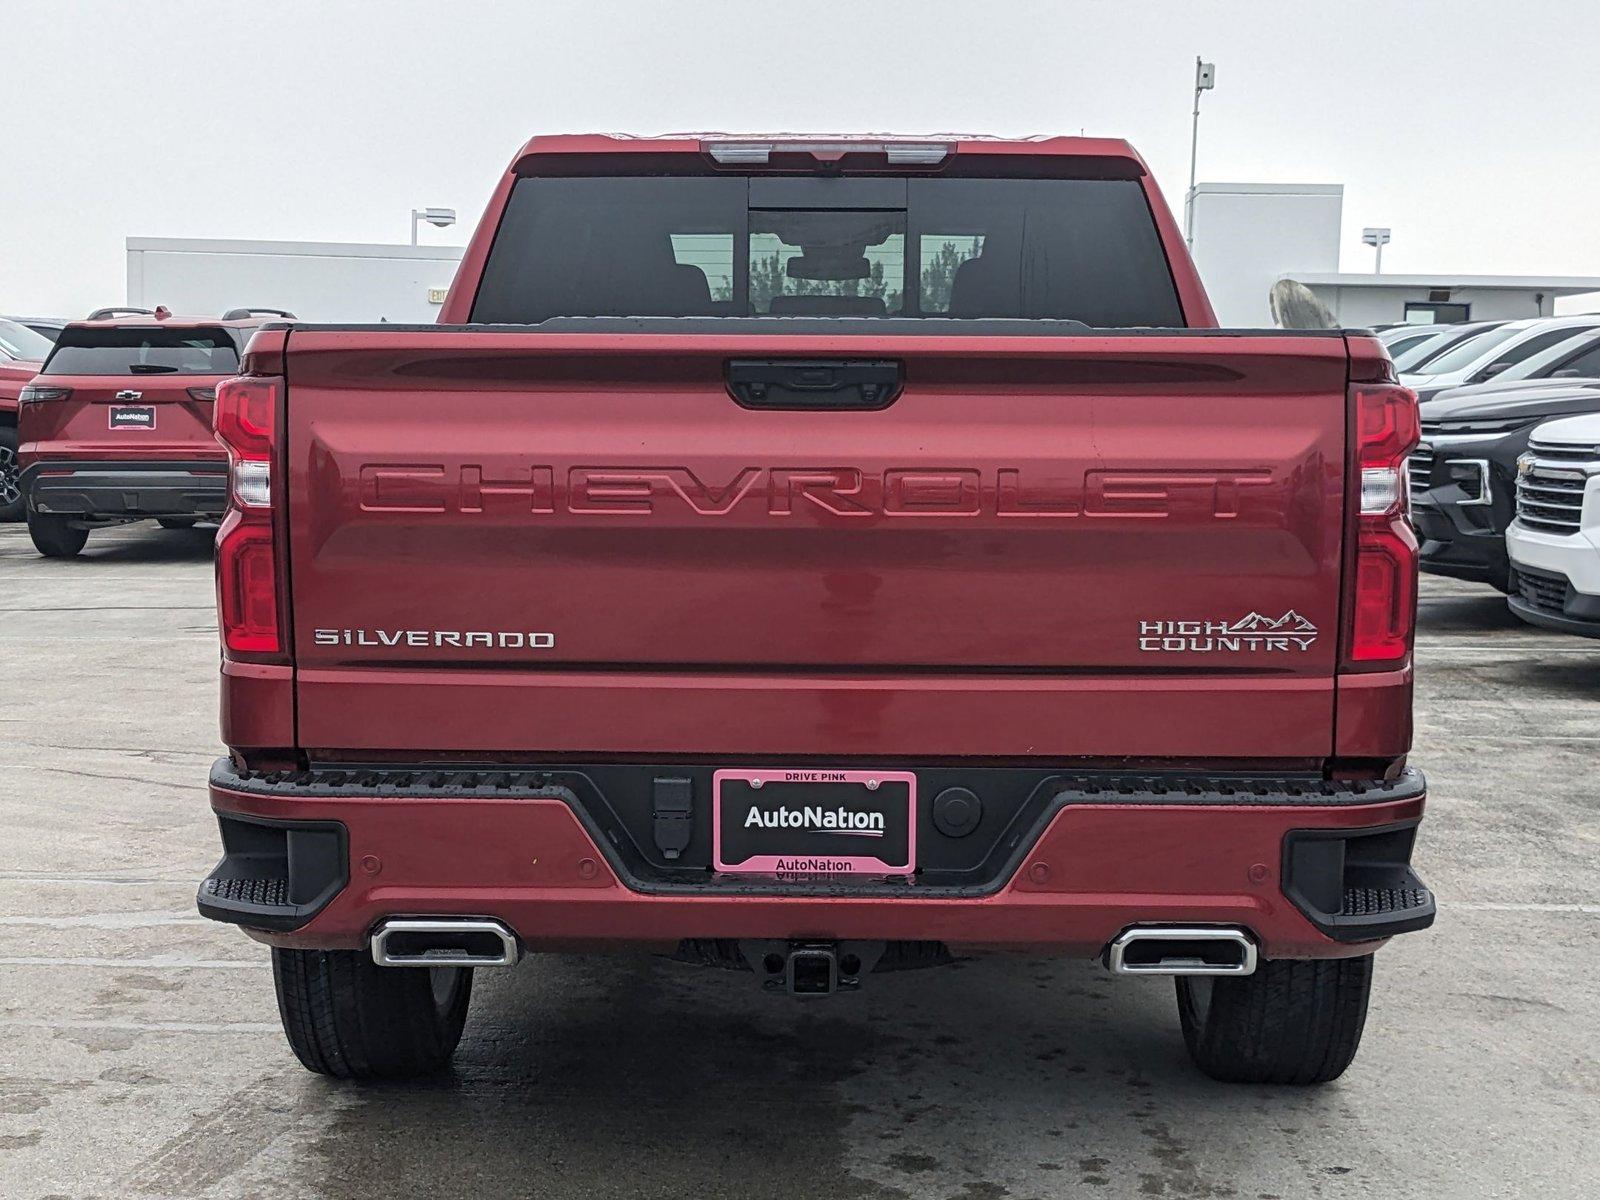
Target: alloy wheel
(10, 477)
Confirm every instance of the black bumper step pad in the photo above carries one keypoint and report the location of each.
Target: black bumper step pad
(259, 893)
(1357, 885)
(274, 874)
(1372, 901)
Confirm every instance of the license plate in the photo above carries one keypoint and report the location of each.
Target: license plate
(133, 416)
(814, 822)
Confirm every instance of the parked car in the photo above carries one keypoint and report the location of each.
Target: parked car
(1555, 541)
(1483, 358)
(1397, 339)
(45, 327)
(1463, 473)
(1448, 338)
(116, 427)
(22, 352)
(1568, 359)
(715, 578)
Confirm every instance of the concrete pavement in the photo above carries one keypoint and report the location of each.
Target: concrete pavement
(140, 1053)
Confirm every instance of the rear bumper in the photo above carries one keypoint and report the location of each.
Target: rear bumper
(118, 489)
(1313, 871)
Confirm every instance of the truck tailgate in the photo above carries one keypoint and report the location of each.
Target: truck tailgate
(1120, 545)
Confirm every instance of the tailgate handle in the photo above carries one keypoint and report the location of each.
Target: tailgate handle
(815, 383)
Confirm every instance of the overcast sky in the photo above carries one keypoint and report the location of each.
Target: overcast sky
(1471, 127)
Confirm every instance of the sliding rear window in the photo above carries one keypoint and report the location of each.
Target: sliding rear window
(144, 351)
(968, 248)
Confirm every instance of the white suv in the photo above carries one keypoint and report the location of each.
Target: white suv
(1554, 543)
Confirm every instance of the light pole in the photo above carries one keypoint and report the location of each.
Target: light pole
(1205, 78)
(1377, 237)
(437, 217)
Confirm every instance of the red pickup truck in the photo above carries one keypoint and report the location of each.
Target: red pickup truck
(819, 558)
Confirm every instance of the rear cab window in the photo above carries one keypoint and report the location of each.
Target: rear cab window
(1059, 249)
(144, 350)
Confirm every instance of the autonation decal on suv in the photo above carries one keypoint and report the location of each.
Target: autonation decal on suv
(1555, 541)
(116, 426)
(1463, 473)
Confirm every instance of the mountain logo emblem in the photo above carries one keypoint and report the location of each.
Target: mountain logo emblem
(1290, 622)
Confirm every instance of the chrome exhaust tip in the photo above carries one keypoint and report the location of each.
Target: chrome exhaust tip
(444, 942)
(1182, 950)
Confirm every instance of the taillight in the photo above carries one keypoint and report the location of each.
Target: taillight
(1383, 602)
(38, 393)
(246, 416)
(247, 585)
(245, 420)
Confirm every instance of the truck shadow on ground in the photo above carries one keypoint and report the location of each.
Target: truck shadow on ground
(147, 542)
(1483, 610)
(1507, 670)
(1575, 680)
(634, 1077)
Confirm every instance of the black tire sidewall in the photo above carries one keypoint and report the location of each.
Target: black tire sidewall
(1291, 1022)
(347, 1017)
(53, 537)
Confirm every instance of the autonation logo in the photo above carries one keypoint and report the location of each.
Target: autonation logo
(829, 820)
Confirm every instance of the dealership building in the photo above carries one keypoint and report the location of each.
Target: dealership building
(1248, 236)
(317, 281)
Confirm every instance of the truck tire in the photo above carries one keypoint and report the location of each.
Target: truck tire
(347, 1017)
(175, 522)
(53, 537)
(1289, 1022)
(11, 505)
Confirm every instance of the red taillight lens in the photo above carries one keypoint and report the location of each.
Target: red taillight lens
(247, 585)
(245, 419)
(1387, 423)
(246, 415)
(1383, 602)
(1385, 606)
(38, 393)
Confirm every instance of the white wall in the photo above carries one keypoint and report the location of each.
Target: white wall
(317, 281)
(1358, 307)
(1247, 235)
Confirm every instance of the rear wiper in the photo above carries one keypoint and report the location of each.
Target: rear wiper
(152, 369)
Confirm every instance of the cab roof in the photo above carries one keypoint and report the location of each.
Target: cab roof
(923, 149)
